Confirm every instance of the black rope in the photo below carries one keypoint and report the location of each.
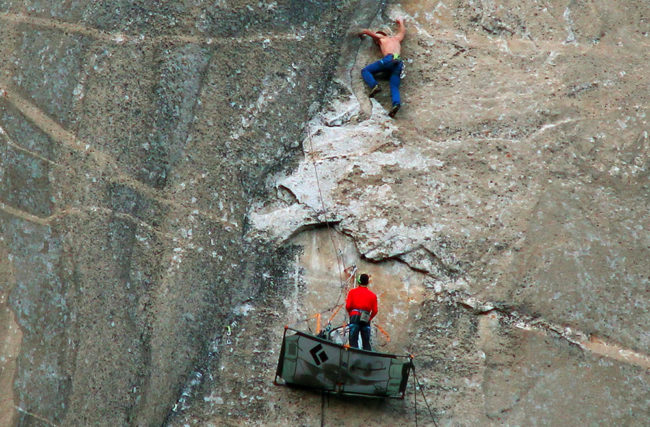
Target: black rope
(415, 395)
(424, 396)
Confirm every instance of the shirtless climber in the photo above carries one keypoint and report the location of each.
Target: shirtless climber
(391, 62)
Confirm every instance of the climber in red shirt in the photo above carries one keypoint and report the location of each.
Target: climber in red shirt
(361, 305)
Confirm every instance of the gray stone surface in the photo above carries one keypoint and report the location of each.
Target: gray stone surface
(545, 382)
(167, 170)
(587, 265)
(135, 137)
(47, 67)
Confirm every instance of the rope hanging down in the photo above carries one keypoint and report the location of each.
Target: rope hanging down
(415, 398)
(337, 252)
(416, 385)
(351, 273)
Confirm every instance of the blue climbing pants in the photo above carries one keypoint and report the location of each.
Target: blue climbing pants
(386, 64)
(364, 329)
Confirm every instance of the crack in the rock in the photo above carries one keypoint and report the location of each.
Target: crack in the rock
(10, 142)
(399, 259)
(447, 271)
(18, 213)
(584, 341)
(46, 221)
(285, 194)
(35, 415)
(575, 337)
(120, 37)
(311, 226)
(105, 163)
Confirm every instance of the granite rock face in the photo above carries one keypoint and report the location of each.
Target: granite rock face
(179, 180)
(135, 137)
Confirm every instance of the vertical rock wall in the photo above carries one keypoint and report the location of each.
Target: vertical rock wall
(514, 184)
(163, 214)
(134, 137)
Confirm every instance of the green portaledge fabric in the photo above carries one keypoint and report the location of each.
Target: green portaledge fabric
(309, 361)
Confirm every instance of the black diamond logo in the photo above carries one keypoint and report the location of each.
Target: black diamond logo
(319, 355)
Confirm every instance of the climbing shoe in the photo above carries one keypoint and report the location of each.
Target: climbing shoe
(374, 91)
(394, 110)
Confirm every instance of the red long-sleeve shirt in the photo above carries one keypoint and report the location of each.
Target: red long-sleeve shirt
(361, 298)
